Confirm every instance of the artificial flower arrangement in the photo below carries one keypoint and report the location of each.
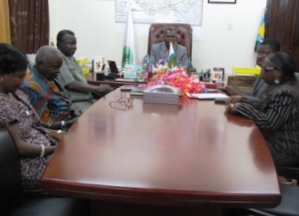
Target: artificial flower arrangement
(176, 76)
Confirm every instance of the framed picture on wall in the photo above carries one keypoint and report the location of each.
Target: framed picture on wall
(223, 1)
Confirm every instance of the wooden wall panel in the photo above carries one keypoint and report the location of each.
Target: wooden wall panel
(282, 24)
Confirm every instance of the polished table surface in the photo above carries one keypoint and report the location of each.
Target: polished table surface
(188, 155)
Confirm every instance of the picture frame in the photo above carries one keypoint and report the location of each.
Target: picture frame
(222, 1)
(217, 74)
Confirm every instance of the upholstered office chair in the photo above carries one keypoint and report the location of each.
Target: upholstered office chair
(289, 204)
(297, 77)
(184, 35)
(291, 172)
(16, 202)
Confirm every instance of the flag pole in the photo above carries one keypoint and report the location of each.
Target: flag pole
(129, 51)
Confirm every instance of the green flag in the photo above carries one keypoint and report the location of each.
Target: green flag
(171, 57)
(129, 54)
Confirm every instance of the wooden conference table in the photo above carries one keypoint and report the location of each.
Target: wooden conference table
(192, 155)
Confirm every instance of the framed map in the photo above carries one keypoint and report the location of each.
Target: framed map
(157, 11)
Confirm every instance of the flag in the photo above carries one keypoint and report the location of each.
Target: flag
(129, 53)
(190, 67)
(261, 34)
(171, 57)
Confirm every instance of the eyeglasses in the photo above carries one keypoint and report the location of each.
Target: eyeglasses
(269, 68)
(122, 103)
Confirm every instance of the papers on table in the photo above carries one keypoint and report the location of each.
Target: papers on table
(207, 96)
(137, 91)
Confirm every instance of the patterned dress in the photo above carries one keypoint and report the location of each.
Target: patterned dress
(49, 98)
(16, 108)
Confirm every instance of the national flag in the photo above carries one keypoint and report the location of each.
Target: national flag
(261, 34)
(171, 57)
(129, 53)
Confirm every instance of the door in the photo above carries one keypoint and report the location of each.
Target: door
(282, 24)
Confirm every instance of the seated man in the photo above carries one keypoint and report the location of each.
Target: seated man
(161, 50)
(47, 96)
(71, 75)
(259, 87)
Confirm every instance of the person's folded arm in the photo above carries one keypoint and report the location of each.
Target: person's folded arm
(84, 87)
(255, 101)
(57, 134)
(56, 125)
(24, 148)
(277, 114)
(233, 91)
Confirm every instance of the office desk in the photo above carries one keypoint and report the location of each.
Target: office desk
(114, 83)
(188, 155)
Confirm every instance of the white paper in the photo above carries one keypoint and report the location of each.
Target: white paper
(206, 96)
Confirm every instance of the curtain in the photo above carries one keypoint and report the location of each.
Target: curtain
(29, 23)
(4, 22)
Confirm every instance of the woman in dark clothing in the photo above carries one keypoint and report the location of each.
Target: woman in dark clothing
(278, 115)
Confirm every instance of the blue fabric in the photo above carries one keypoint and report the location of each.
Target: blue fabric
(49, 98)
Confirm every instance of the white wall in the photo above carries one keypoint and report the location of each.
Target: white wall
(227, 35)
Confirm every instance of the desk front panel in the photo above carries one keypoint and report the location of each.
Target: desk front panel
(114, 83)
(163, 154)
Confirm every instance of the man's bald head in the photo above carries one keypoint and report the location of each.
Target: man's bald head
(48, 62)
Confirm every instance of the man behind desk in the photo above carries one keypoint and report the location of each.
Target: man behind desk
(161, 50)
(71, 75)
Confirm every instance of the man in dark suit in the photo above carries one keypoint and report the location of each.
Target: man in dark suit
(260, 88)
(160, 51)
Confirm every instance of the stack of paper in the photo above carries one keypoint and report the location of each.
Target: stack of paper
(207, 96)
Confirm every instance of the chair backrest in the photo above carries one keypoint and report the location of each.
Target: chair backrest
(184, 35)
(291, 172)
(10, 172)
(297, 78)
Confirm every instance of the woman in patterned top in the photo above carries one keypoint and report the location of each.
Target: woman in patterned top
(34, 143)
(278, 115)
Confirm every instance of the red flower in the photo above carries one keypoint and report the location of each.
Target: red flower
(176, 77)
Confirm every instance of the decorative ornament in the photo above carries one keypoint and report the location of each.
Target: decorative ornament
(176, 77)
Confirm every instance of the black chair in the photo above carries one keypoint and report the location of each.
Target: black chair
(297, 78)
(290, 172)
(15, 203)
(289, 204)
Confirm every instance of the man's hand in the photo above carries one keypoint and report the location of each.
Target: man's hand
(233, 99)
(231, 107)
(103, 88)
(232, 103)
(232, 91)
